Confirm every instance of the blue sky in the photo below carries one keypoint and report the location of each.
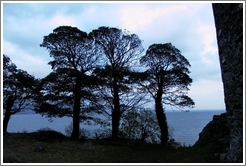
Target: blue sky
(189, 26)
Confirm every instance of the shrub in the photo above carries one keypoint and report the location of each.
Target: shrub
(140, 125)
(102, 133)
(48, 135)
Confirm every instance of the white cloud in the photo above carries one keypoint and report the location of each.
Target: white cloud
(91, 12)
(59, 20)
(207, 94)
(34, 28)
(9, 48)
(208, 38)
(31, 63)
(141, 16)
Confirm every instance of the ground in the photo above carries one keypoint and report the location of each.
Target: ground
(20, 148)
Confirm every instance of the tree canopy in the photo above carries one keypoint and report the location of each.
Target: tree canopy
(167, 71)
(66, 91)
(166, 80)
(18, 90)
(121, 50)
(99, 73)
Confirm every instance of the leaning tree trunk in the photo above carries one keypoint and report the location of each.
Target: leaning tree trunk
(162, 121)
(161, 116)
(10, 103)
(76, 110)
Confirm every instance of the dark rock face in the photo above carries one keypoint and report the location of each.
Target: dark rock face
(216, 130)
(229, 27)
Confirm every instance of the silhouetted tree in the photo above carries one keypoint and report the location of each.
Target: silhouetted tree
(121, 50)
(166, 80)
(67, 90)
(18, 90)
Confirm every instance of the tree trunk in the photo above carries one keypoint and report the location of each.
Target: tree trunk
(162, 121)
(7, 115)
(115, 123)
(116, 114)
(76, 110)
(161, 116)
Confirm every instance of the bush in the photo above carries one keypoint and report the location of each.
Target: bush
(102, 133)
(48, 135)
(140, 125)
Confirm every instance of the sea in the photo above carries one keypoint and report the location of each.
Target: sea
(183, 126)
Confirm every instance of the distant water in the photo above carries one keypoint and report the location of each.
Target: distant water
(185, 126)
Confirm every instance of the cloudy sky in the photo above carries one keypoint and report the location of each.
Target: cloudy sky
(189, 26)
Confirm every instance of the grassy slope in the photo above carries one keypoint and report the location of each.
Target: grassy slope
(19, 148)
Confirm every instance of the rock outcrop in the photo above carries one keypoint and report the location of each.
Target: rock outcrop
(217, 133)
(216, 130)
(228, 19)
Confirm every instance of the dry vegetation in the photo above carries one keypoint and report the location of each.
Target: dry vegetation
(20, 148)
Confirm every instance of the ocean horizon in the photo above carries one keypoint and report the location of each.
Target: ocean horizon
(185, 126)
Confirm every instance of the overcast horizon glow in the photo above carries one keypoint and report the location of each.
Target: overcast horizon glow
(188, 26)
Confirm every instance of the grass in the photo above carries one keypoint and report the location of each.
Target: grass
(19, 148)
